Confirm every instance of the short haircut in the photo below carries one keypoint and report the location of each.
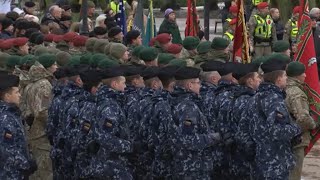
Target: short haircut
(149, 82)
(273, 10)
(129, 79)
(109, 81)
(5, 91)
(243, 80)
(273, 76)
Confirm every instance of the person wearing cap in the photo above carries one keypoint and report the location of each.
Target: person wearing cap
(29, 8)
(209, 78)
(150, 56)
(112, 124)
(6, 28)
(233, 14)
(90, 13)
(253, 8)
(65, 23)
(193, 139)
(79, 43)
(133, 39)
(162, 42)
(90, 44)
(190, 45)
(291, 27)
(274, 131)
(135, 56)
(115, 7)
(203, 49)
(220, 50)
(115, 35)
(298, 106)
(37, 96)
(283, 47)
(119, 53)
(14, 147)
(20, 47)
(175, 49)
(100, 45)
(169, 24)
(275, 15)
(262, 31)
(229, 34)
(164, 59)
(249, 82)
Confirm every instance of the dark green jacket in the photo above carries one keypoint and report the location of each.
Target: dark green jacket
(173, 28)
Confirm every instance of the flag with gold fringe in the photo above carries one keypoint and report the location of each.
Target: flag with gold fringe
(192, 26)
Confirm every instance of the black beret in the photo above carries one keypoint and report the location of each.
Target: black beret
(212, 66)
(114, 31)
(187, 73)
(91, 76)
(21, 24)
(270, 66)
(33, 37)
(113, 72)
(76, 70)
(8, 81)
(133, 34)
(29, 4)
(150, 72)
(134, 70)
(168, 72)
(60, 73)
(227, 68)
(100, 31)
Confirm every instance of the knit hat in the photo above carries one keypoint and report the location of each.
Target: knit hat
(47, 60)
(165, 58)
(168, 11)
(190, 42)
(40, 50)
(13, 61)
(295, 69)
(131, 35)
(148, 54)
(233, 9)
(6, 22)
(29, 4)
(187, 73)
(219, 43)
(163, 38)
(63, 58)
(281, 46)
(100, 45)
(262, 5)
(204, 47)
(174, 48)
(117, 50)
(20, 41)
(53, 50)
(80, 41)
(136, 51)
(90, 44)
(114, 31)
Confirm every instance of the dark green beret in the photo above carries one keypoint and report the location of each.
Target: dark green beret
(136, 51)
(3, 60)
(280, 46)
(178, 62)
(96, 58)
(165, 58)
(107, 63)
(40, 50)
(75, 61)
(190, 42)
(100, 45)
(90, 44)
(85, 59)
(47, 60)
(279, 57)
(260, 60)
(27, 60)
(63, 58)
(148, 54)
(295, 69)
(204, 47)
(13, 61)
(219, 43)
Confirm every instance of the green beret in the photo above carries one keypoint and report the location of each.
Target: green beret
(47, 60)
(295, 69)
(13, 61)
(165, 58)
(278, 56)
(40, 50)
(136, 51)
(178, 62)
(96, 58)
(75, 60)
(90, 44)
(148, 54)
(117, 50)
(106, 63)
(260, 60)
(190, 42)
(63, 46)
(27, 60)
(63, 58)
(85, 59)
(100, 45)
(53, 50)
(204, 47)
(219, 43)
(280, 46)
(3, 60)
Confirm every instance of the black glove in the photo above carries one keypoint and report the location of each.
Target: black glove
(93, 147)
(29, 119)
(33, 168)
(296, 140)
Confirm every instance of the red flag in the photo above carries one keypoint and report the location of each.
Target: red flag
(192, 26)
(306, 54)
(240, 42)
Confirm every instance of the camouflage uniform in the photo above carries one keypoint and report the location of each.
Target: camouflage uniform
(15, 157)
(113, 137)
(273, 133)
(298, 107)
(192, 154)
(38, 97)
(217, 55)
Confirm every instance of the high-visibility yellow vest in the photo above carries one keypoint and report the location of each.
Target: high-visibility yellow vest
(294, 29)
(115, 7)
(264, 27)
(256, 2)
(229, 35)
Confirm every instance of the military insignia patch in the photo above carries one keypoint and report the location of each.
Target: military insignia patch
(187, 122)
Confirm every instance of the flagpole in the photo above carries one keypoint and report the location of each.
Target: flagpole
(84, 16)
(206, 19)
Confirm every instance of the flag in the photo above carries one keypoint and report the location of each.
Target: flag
(138, 21)
(122, 17)
(151, 26)
(306, 54)
(192, 26)
(241, 42)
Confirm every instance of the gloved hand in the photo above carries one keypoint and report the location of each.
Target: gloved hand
(29, 120)
(93, 147)
(33, 167)
(215, 138)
